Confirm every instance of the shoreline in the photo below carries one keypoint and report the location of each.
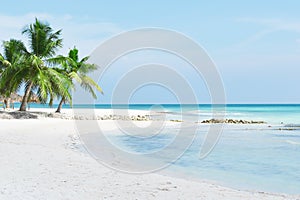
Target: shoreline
(54, 155)
(113, 114)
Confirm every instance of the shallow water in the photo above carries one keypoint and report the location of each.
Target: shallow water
(267, 160)
(247, 157)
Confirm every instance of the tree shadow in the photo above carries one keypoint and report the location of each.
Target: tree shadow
(18, 115)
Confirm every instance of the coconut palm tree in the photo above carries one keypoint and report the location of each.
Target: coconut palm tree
(77, 70)
(44, 43)
(34, 71)
(12, 58)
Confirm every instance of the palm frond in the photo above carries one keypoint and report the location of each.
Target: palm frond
(74, 75)
(44, 42)
(89, 88)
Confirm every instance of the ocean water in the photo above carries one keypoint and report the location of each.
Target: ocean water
(271, 113)
(249, 157)
(243, 159)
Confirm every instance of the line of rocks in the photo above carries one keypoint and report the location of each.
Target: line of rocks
(105, 117)
(41, 115)
(231, 121)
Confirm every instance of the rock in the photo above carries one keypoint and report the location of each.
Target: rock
(176, 120)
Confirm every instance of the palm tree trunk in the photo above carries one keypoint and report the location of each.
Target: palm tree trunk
(7, 103)
(60, 105)
(25, 97)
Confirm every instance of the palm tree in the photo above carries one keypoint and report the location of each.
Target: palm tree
(11, 60)
(44, 43)
(34, 71)
(78, 70)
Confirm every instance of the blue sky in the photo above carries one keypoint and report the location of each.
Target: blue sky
(255, 44)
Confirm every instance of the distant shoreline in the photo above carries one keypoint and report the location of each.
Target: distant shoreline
(108, 114)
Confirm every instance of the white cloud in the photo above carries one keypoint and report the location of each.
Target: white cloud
(265, 28)
(275, 24)
(84, 34)
(270, 26)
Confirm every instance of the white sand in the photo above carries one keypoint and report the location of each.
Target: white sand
(40, 159)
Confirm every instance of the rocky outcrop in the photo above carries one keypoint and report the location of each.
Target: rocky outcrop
(231, 121)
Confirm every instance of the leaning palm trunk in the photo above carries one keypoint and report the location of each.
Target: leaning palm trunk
(7, 103)
(25, 97)
(60, 105)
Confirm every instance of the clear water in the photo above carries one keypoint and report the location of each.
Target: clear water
(252, 158)
(260, 158)
(263, 160)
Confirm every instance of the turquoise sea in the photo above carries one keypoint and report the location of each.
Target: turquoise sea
(256, 158)
(271, 113)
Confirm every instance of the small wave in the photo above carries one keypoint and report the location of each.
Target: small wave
(292, 125)
(292, 142)
(217, 113)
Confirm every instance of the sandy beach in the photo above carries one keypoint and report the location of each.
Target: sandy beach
(43, 159)
(150, 100)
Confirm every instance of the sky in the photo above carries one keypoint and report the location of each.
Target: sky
(255, 45)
